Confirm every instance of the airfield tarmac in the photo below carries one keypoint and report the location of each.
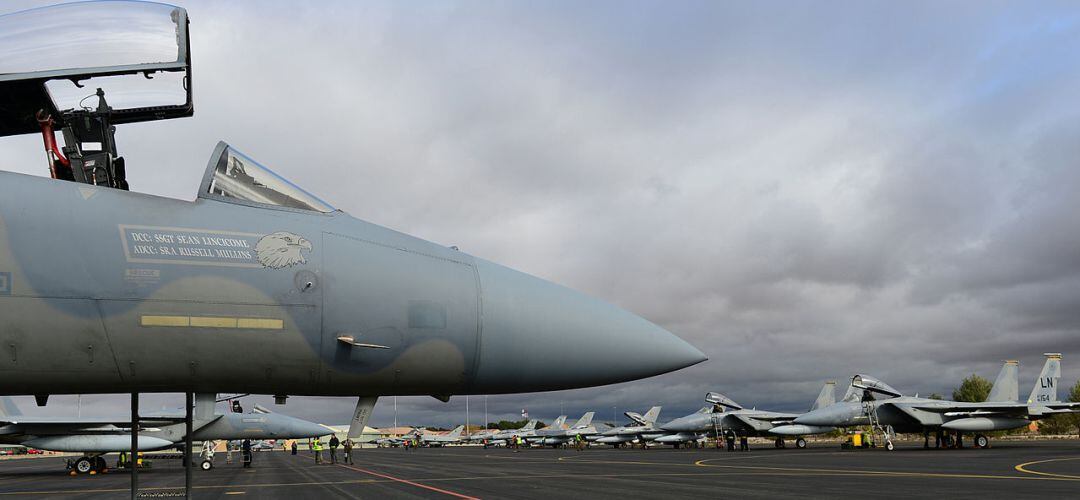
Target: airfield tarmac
(1022, 469)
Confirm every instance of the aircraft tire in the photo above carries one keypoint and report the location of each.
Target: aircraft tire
(83, 465)
(206, 465)
(981, 441)
(800, 443)
(890, 446)
(99, 464)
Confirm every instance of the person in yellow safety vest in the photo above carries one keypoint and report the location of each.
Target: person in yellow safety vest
(316, 446)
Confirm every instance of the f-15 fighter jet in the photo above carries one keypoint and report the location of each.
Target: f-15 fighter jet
(899, 413)
(105, 289)
(95, 436)
(727, 415)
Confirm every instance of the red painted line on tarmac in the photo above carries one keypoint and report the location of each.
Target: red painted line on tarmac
(406, 481)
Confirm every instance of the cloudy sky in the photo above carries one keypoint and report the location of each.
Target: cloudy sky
(802, 190)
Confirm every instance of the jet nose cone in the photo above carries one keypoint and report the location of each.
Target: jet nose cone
(539, 336)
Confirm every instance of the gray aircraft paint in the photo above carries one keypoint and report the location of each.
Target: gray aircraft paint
(915, 414)
(726, 414)
(104, 291)
(103, 434)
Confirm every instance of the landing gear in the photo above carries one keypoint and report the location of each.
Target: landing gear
(889, 445)
(89, 464)
(800, 443)
(84, 465)
(206, 465)
(981, 441)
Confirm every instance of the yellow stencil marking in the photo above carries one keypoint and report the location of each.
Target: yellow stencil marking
(212, 322)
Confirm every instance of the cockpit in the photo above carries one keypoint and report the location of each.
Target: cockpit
(137, 55)
(235, 176)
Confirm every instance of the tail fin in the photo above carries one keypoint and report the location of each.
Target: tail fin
(204, 406)
(457, 431)
(8, 407)
(827, 396)
(651, 415)
(585, 420)
(1007, 385)
(1045, 390)
(558, 423)
(530, 425)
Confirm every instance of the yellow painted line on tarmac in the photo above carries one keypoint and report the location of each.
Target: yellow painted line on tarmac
(1024, 468)
(236, 493)
(702, 463)
(207, 487)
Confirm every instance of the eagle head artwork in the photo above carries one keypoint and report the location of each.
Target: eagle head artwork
(281, 249)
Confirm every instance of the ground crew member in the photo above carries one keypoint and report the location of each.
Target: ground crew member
(730, 441)
(334, 443)
(294, 447)
(316, 447)
(348, 451)
(246, 448)
(743, 445)
(580, 442)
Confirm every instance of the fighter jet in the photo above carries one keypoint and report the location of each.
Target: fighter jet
(642, 428)
(583, 427)
(899, 413)
(102, 288)
(727, 415)
(528, 430)
(533, 437)
(432, 439)
(95, 436)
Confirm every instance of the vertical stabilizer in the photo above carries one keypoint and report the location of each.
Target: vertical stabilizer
(364, 406)
(457, 431)
(1007, 385)
(1045, 390)
(827, 396)
(558, 423)
(530, 425)
(585, 420)
(204, 406)
(651, 415)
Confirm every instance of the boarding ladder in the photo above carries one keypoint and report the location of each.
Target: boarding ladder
(870, 411)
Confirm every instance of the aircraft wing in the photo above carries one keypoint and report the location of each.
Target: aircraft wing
(751, 421)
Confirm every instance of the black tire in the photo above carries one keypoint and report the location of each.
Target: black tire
(982, 441)
(800, 443)
(889, 446)
(99, 464)
(84, 465)
(206, 465)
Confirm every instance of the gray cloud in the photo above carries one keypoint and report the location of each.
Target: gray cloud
(803, 191)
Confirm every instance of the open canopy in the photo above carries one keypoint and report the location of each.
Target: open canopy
(138, 51)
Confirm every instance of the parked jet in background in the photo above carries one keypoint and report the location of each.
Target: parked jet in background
(528, 430)
(641, 429)
(899, 413)
(432, 439)
(727, 415)
(583, 427)
(95, 436)
(534, 436)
